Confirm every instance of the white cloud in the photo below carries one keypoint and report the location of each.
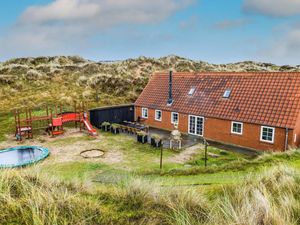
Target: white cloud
(283, 47)
(289, 44)
(67, 24)
(102, 12)
(273, 7)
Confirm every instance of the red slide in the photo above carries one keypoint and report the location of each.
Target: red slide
(90, 128)
(72, 117)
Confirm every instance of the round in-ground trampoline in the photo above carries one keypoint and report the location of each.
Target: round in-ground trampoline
(22, 156)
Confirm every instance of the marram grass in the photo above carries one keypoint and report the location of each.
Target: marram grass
(273, 197)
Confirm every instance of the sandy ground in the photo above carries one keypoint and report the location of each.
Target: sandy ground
(187, 154)
(61, 151)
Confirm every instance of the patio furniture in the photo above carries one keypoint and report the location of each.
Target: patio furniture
(123, 128)
(134, 127)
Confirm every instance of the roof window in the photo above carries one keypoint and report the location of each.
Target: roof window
(227, 93)
(192, 91)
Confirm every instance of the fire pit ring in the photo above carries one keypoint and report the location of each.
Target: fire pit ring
(92, 153)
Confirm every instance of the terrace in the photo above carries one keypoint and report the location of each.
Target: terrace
(186, 141)
(132, 128)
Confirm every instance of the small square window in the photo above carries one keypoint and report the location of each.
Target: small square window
(158, 115)
(174, 118)
(227, 93)
(236, 128)
(267, 134)
(144, 113)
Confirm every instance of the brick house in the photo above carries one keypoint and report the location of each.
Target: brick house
(258, 111)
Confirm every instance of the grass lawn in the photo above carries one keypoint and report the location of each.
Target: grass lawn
(72, 171)
(218, 157)
(125, 158)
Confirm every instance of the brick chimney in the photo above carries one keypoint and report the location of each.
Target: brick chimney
(170, 99)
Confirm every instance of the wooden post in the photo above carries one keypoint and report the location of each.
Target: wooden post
(62, 124)
(48, 120)
(205, 152)
(30, 121)
(15, 122)
(51, 121)
(75, 109)
(161, 155)
(19, 126)
(27, 123)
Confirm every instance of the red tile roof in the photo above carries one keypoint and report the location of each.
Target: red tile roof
(262, 98)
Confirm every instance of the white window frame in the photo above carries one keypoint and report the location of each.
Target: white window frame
(242, 127)
(203, 121)
(172, 119)
(158, 110)
(145, 109)
(273, 134)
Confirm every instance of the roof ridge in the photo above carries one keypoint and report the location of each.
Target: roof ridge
(227, 73)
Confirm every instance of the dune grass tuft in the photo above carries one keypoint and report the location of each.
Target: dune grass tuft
(27, 199)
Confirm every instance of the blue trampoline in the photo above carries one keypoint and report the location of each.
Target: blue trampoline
(22, 156)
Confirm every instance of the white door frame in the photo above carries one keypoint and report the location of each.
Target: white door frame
(196, 118)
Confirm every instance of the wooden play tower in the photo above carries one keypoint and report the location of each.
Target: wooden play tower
(51, 119)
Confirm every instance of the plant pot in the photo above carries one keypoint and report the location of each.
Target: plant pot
(105, 128)
(115, 130)
(156, 144)
(142, 139)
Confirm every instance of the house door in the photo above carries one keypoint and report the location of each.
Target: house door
(196, 125)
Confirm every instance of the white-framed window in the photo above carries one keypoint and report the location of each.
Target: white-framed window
(158, 115)
(144, 113)
(236, 127)
(267, 134)
(196, 125)
(174, 118)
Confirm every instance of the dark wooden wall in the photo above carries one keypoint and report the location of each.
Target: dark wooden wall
(112, 114)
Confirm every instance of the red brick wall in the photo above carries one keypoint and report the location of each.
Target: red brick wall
(220, 130)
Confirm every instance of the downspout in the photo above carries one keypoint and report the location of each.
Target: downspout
(286, 139)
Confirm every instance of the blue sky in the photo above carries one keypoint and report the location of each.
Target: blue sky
(216, 31)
